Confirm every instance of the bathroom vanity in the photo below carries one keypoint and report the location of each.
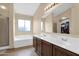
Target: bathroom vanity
(49, 45)
(42, 48)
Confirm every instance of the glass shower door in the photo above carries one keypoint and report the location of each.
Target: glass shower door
(4, 32)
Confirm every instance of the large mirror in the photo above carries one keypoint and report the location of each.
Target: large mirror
(64, 20)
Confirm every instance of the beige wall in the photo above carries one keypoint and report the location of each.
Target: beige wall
(24, 17)
(49, 23)
(75, 20)
(5, 12)
(37, 18)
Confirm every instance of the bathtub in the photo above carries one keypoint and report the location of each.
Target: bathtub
(23, 40)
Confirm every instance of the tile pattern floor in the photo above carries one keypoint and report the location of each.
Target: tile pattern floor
(25, 51)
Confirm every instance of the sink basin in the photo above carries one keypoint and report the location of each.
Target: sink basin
(60, 41)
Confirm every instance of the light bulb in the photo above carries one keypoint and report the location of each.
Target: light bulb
(3, 7)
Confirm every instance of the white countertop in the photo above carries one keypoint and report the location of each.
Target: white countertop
(65, 41)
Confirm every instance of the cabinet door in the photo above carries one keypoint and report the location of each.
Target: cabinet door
(38, 46)
(58, 51)
(46, 48)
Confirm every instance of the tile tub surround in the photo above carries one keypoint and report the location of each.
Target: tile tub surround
(65, 41)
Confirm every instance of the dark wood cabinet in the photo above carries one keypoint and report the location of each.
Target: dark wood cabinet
(38, 46)
(34, 42)
(58, 51)
(46, 48)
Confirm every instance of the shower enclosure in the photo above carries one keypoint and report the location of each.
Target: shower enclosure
(4, 31)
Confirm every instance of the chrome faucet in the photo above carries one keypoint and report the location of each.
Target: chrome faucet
(63, 39)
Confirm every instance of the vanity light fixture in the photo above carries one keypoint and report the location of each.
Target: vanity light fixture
(49, 6)
(2, 7)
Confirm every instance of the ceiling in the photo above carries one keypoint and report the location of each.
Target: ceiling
(26, 8)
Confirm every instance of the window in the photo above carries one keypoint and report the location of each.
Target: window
(24, 25)
(42, 26)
